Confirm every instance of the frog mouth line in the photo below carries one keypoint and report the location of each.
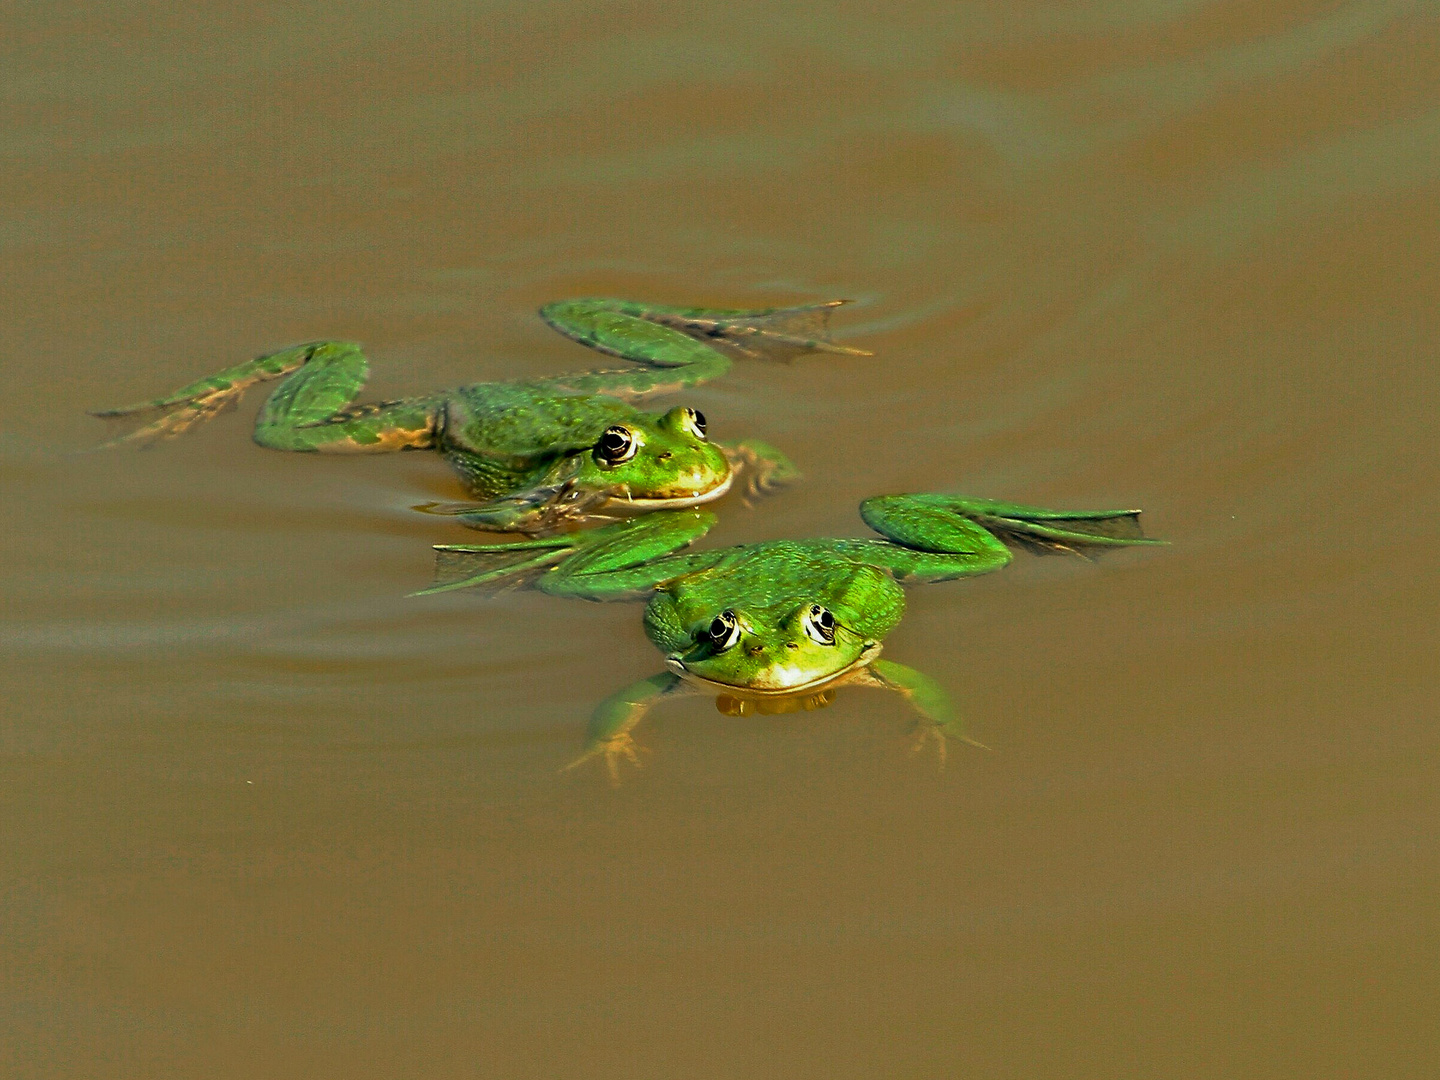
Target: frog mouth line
(624, 504)
(675, 664)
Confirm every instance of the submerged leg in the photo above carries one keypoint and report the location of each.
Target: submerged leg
(679, 341)
(538, 511)
(939, 720)
(763, 468)
(615, 718)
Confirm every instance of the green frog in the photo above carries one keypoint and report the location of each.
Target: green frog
(779, 626)
(538, 455)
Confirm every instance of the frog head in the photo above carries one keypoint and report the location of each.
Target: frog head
(781, 625)
(656, 462)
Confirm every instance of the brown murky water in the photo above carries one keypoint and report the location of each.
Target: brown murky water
(265, 817)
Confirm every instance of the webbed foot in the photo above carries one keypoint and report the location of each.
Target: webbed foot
(613, 750)
(928, 733)
(770, 333)
(328, 376)
(622, 559)
(927, 521)
(195, 410)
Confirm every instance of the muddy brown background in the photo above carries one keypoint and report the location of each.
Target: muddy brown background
(265, 817)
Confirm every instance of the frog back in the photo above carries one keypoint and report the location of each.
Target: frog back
(527, 422)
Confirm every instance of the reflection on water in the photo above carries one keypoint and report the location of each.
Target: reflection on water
(734, 706)
(265, 816)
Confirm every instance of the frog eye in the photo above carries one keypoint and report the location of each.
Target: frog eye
(689, 421)
(723, 631)
(616, 445)
(820, 624)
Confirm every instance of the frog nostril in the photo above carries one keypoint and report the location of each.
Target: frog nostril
(664, 456)
(792, 644)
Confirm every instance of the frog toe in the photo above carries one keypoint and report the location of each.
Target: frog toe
(172, 424)
(928, 735)
(612, 750)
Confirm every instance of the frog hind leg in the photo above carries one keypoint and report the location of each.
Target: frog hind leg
(772, 333)
(678, 345)
(310, 410)
(313, 410)
(621, 561)
(1059, 530)
(501, 566)
(198, 401)
(938, 536)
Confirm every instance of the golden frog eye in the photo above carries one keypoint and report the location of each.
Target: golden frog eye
(820, 624)
(723, 631)
(616, 445)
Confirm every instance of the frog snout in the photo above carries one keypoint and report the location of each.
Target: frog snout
(758, 648)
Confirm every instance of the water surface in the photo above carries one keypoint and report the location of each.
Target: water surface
(265, 817)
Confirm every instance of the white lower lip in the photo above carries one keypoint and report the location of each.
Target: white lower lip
(615, 504)
(679, 668)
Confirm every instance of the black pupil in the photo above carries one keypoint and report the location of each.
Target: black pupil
(823, 618)
(699, 418)
(719, 627)
(614, 442)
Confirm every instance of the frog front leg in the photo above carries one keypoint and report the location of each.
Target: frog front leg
(537, 511)
(762, 468)
(939, 720)
(613, 720)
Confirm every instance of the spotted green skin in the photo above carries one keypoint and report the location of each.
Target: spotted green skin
(771, 589)
(527, 449)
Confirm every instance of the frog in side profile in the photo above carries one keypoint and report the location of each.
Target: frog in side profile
(537, 454)
(780, 626)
